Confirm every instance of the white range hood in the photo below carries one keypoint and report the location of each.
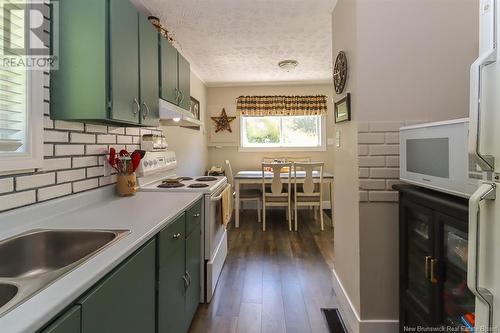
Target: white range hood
(172, 115)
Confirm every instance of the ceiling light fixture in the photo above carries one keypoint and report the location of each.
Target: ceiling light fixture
(288, 65)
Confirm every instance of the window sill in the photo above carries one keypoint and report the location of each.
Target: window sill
(280, 149)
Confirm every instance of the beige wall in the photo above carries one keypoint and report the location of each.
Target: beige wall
(224, 145)
(346, 203)
(409, 60)
(190, 145)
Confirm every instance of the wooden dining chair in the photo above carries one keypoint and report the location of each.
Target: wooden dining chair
(245, 194)
(276, 195)
(310, 194)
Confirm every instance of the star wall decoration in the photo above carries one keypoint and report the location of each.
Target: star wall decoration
(223, 122)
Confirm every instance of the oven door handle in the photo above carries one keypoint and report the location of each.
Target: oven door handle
(219, 197)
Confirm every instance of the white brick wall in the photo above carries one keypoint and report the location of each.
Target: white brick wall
(73, 161)
(378, 157)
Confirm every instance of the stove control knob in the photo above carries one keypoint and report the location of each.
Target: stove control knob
(155, 162)
(146, 163)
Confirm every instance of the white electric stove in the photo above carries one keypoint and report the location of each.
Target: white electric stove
(158, 172)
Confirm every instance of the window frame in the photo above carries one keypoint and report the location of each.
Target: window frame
(33, 156)
(320, 147)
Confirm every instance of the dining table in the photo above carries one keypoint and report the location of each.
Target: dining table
(255, 177)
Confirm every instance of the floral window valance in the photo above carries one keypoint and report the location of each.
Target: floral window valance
(258, 106)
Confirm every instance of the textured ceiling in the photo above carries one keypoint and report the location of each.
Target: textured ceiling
(241, 41)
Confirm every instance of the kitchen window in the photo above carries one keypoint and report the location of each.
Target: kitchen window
(284, 132)
(21, 99)
(282, 122)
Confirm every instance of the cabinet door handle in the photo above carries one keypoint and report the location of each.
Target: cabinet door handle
(182, 97)
(138, 109)
(176, 236)
(186, 283)
(427, 268)
(177, 96)
(434, 268)
(189, 278)
(196, 215)
(146, 114)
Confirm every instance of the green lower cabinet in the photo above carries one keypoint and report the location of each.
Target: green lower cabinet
(125, 300)
(69, 322)
(171, 277)
(193, 262)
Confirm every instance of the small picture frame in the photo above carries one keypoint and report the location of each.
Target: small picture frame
(343, 109)
(195, 108)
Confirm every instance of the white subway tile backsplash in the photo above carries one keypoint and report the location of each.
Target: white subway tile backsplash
(385, 173)
(136, 139)
(392, 161)
(131, 148)
(371, 138)
(90, 128)
(80, 162)
(47, 122)
(116, 130)
(106, 138)
(391, 137)
(363, 196)
(103, 181)
(95, 172)
(35, 180)
(363, 150)
(132, 131)
(383, 196)
(52, 192)
(50, 164)
(123, 139)
(371, 161)
(70, 175)
(48, 150)
(82, 138)
(69, 150)
(67, 125)
(85, 185)
(364, 173)
(371, 184)
(55, 136)
(384, 150)
(96, 149)
(18, 199)
(6, 185)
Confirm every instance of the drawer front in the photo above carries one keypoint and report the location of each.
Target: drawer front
(193, 218)
(170, 238)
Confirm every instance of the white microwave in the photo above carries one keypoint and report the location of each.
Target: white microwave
(434, 155)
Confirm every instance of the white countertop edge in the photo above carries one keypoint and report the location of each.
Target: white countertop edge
(145, 215)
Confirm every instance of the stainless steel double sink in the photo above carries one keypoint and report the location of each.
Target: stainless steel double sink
(32, 260)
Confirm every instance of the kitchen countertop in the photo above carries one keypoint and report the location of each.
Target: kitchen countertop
(144, 214)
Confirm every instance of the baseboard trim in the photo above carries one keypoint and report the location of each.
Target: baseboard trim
(351, 317)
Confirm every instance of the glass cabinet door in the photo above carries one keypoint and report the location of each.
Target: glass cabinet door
(458, 301)
(419, 241)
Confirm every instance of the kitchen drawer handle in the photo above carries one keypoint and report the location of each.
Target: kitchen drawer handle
(176, 236)
(427, 269)
(146, 114)
(138, 109)
(434, 268)
(196, 215)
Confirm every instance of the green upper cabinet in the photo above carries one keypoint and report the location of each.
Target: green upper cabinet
(149, 72)
(169, 72)
(184, 83)
(124, 61)
(101, 76)
(125, 300)
(175, 76)
(69, 322)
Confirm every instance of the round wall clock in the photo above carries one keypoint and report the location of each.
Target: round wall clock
(340, 72)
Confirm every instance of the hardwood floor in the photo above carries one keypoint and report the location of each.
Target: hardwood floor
(275, 281)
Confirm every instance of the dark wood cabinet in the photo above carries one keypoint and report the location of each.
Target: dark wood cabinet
(433, 258)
